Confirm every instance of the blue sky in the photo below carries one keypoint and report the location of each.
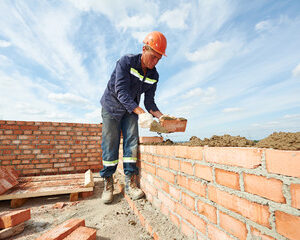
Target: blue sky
(232, 67)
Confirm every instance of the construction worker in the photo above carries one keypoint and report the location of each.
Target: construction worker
(132, 76)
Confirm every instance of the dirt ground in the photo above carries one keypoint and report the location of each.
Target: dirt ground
(115, 221)
(280, 140)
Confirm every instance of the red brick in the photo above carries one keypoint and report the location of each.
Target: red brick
(291, 160)
(186, 167)
(188, 201)
(287, 225)
(13, 218)
(175, 219)
(254, 211)
(192, 218)
(174, 125)
(174, 192)
(192, 185)
(150, 140)
(258, 235)
(82, 233)
(166, 175)
(8, 178)
(204, 172)
(195, 153)
(85, 195)
(207, 210)
(233, 226)
(258, 185)
(181, 151)
(242, 157)
(149, 168)
(216, 234)
(295, 193)
(166, 201)
(187, 230)
(63, 230)
(227, 178)
(174, 164)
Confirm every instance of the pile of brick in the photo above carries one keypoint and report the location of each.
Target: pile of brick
(8, 178)
(13, 222)
(72, 229)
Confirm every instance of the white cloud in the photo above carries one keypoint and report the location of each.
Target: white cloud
(136, 22)
(291, 116)
(296, 71)
(176, 18)
(263, 26)
(231, 110)
(208, 52)
(29, 109)
(67, 98)
(120, 12)
(139, 36)
(4, 43)
(204, 96)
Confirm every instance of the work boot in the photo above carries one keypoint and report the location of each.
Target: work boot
(131, 188)
(107, 195)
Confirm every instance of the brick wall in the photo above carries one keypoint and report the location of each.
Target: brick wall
(225, 193)
(41, 148)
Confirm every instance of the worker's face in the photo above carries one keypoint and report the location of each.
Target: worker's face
(150, 58)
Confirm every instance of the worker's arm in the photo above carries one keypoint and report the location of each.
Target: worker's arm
(156, 114)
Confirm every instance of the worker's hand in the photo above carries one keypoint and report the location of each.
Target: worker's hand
(166, 116)
(145, 120)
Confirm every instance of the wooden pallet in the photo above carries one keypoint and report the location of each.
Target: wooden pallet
(38, 186)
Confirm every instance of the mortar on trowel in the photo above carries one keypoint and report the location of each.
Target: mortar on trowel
(169, 125)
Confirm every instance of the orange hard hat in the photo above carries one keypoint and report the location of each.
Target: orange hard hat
(157, 41)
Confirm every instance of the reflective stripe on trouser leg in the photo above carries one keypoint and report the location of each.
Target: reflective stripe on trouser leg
(111, 132)
(129, 126)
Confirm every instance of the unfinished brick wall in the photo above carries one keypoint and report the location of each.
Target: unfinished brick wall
(225, 193)
(41, 148)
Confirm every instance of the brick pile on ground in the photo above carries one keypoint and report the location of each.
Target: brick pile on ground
(72, 229)
(12, 222)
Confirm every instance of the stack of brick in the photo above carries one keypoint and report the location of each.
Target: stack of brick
(12, 222)
(224, 193)
(48, 148)
(72, 229)
(8, 178)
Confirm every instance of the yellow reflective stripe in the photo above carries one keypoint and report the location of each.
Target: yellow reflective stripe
(129, 159)
(136, 73)
(139, 76)
(110, 163)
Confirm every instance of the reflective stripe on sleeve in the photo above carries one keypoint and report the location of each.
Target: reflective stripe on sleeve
(135, 73)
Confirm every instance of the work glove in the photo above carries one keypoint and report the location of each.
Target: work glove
(145, 120)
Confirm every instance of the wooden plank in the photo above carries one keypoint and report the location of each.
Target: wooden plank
(51, 177)
(56, 183)
(12, 231)
(88, 179)
(45, 191)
